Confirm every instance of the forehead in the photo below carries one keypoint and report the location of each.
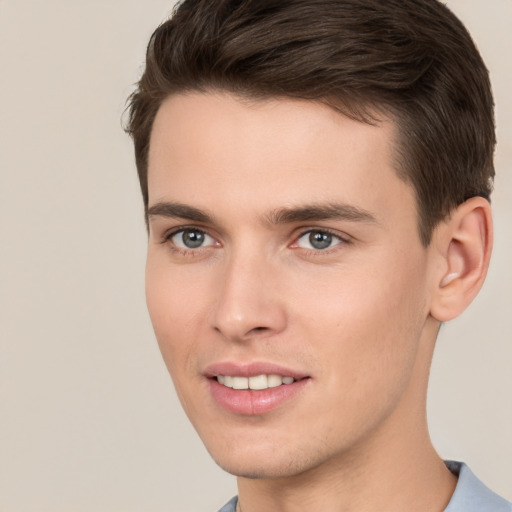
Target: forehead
(216, 147)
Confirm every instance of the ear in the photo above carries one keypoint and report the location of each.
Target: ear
(463, 249)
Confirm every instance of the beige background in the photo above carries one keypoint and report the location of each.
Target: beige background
(88, 417)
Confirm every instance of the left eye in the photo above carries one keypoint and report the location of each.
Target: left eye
(191, 239)
(316, 239)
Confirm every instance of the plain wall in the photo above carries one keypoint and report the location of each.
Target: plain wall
(88, 417)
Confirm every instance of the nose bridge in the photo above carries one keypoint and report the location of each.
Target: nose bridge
(248, 302)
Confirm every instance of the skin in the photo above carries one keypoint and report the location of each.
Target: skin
(359, 318)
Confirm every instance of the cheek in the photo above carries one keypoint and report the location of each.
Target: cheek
(174, 303)
(367, 324)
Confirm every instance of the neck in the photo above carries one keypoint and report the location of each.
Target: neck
(358, 483)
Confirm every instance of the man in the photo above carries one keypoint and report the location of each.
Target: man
(316, 177)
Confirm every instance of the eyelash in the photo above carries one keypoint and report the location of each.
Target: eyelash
(168, 235)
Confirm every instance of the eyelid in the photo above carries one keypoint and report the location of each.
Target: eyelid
(168, 233)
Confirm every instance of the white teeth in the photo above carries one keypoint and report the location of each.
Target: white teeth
(240, 383)
(256, 382)
(274, 381)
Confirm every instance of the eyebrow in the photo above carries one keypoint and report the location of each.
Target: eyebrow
(318, 212)
(179, 211)
(285, 215)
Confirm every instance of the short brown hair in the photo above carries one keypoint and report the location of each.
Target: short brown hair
(410, 59)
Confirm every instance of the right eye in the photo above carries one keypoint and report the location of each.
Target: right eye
(191, 238)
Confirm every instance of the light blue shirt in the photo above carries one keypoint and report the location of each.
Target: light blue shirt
(470, 495)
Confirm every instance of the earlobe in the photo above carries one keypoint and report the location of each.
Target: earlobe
(464, 244)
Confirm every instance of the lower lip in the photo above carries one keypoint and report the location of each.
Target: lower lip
(254, 402)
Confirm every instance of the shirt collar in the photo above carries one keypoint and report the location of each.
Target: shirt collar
(471, 495)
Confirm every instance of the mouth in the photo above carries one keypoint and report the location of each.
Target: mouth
(254, 389)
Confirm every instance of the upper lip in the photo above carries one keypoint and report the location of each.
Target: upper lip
(251, 369)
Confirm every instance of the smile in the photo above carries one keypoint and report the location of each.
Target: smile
(256, 387)
(257, 383)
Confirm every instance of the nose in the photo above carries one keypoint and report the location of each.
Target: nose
(249, 304)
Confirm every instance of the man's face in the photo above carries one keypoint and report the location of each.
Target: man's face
(283, 244)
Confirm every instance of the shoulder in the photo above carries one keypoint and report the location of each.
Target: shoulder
(471, 495)
(230, 506)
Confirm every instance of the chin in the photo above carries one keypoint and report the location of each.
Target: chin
(261, 469)
(263, 463)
